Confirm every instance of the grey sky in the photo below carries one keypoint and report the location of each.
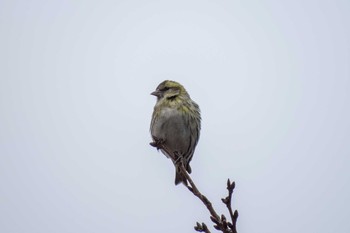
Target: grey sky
(272, 79)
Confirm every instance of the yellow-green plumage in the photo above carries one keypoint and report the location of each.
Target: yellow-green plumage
(176, 121)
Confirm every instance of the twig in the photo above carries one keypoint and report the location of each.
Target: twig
(227, 201)
(201, 227)
(220, 222)
(193, 188)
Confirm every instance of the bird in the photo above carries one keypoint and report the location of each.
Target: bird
(175, 125)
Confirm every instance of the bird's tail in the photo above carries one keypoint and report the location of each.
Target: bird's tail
(179, 176)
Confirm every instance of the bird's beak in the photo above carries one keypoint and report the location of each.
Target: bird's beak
(156, 93)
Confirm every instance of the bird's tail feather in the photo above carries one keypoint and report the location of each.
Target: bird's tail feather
(179, 177)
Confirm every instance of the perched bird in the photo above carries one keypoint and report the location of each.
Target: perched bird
(175, 125)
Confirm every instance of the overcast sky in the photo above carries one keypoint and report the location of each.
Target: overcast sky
(272, 79)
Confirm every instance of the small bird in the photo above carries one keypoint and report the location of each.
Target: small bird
(175, 125)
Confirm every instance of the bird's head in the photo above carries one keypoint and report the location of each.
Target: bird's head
(169, 90)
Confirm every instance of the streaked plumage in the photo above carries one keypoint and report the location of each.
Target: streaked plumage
(176, 121)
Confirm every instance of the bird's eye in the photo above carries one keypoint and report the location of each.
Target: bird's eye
(164, 89)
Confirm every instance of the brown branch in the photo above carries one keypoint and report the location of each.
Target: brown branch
(193, 188)
(201, 227)
(220, 222)
(228, 202)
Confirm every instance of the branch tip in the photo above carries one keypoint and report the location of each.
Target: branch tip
(220, 222)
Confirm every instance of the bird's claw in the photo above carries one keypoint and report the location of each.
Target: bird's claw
(157, 143)
(177, 158)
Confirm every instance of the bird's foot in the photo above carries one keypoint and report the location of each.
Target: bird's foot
(157, 143)
(177, 158)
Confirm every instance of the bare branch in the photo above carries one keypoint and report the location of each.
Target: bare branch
(201, 227)
(220, 222)
(227, 201)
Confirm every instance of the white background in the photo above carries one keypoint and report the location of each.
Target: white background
(272, 79)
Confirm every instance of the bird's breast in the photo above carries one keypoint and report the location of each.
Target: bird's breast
(172, 127)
